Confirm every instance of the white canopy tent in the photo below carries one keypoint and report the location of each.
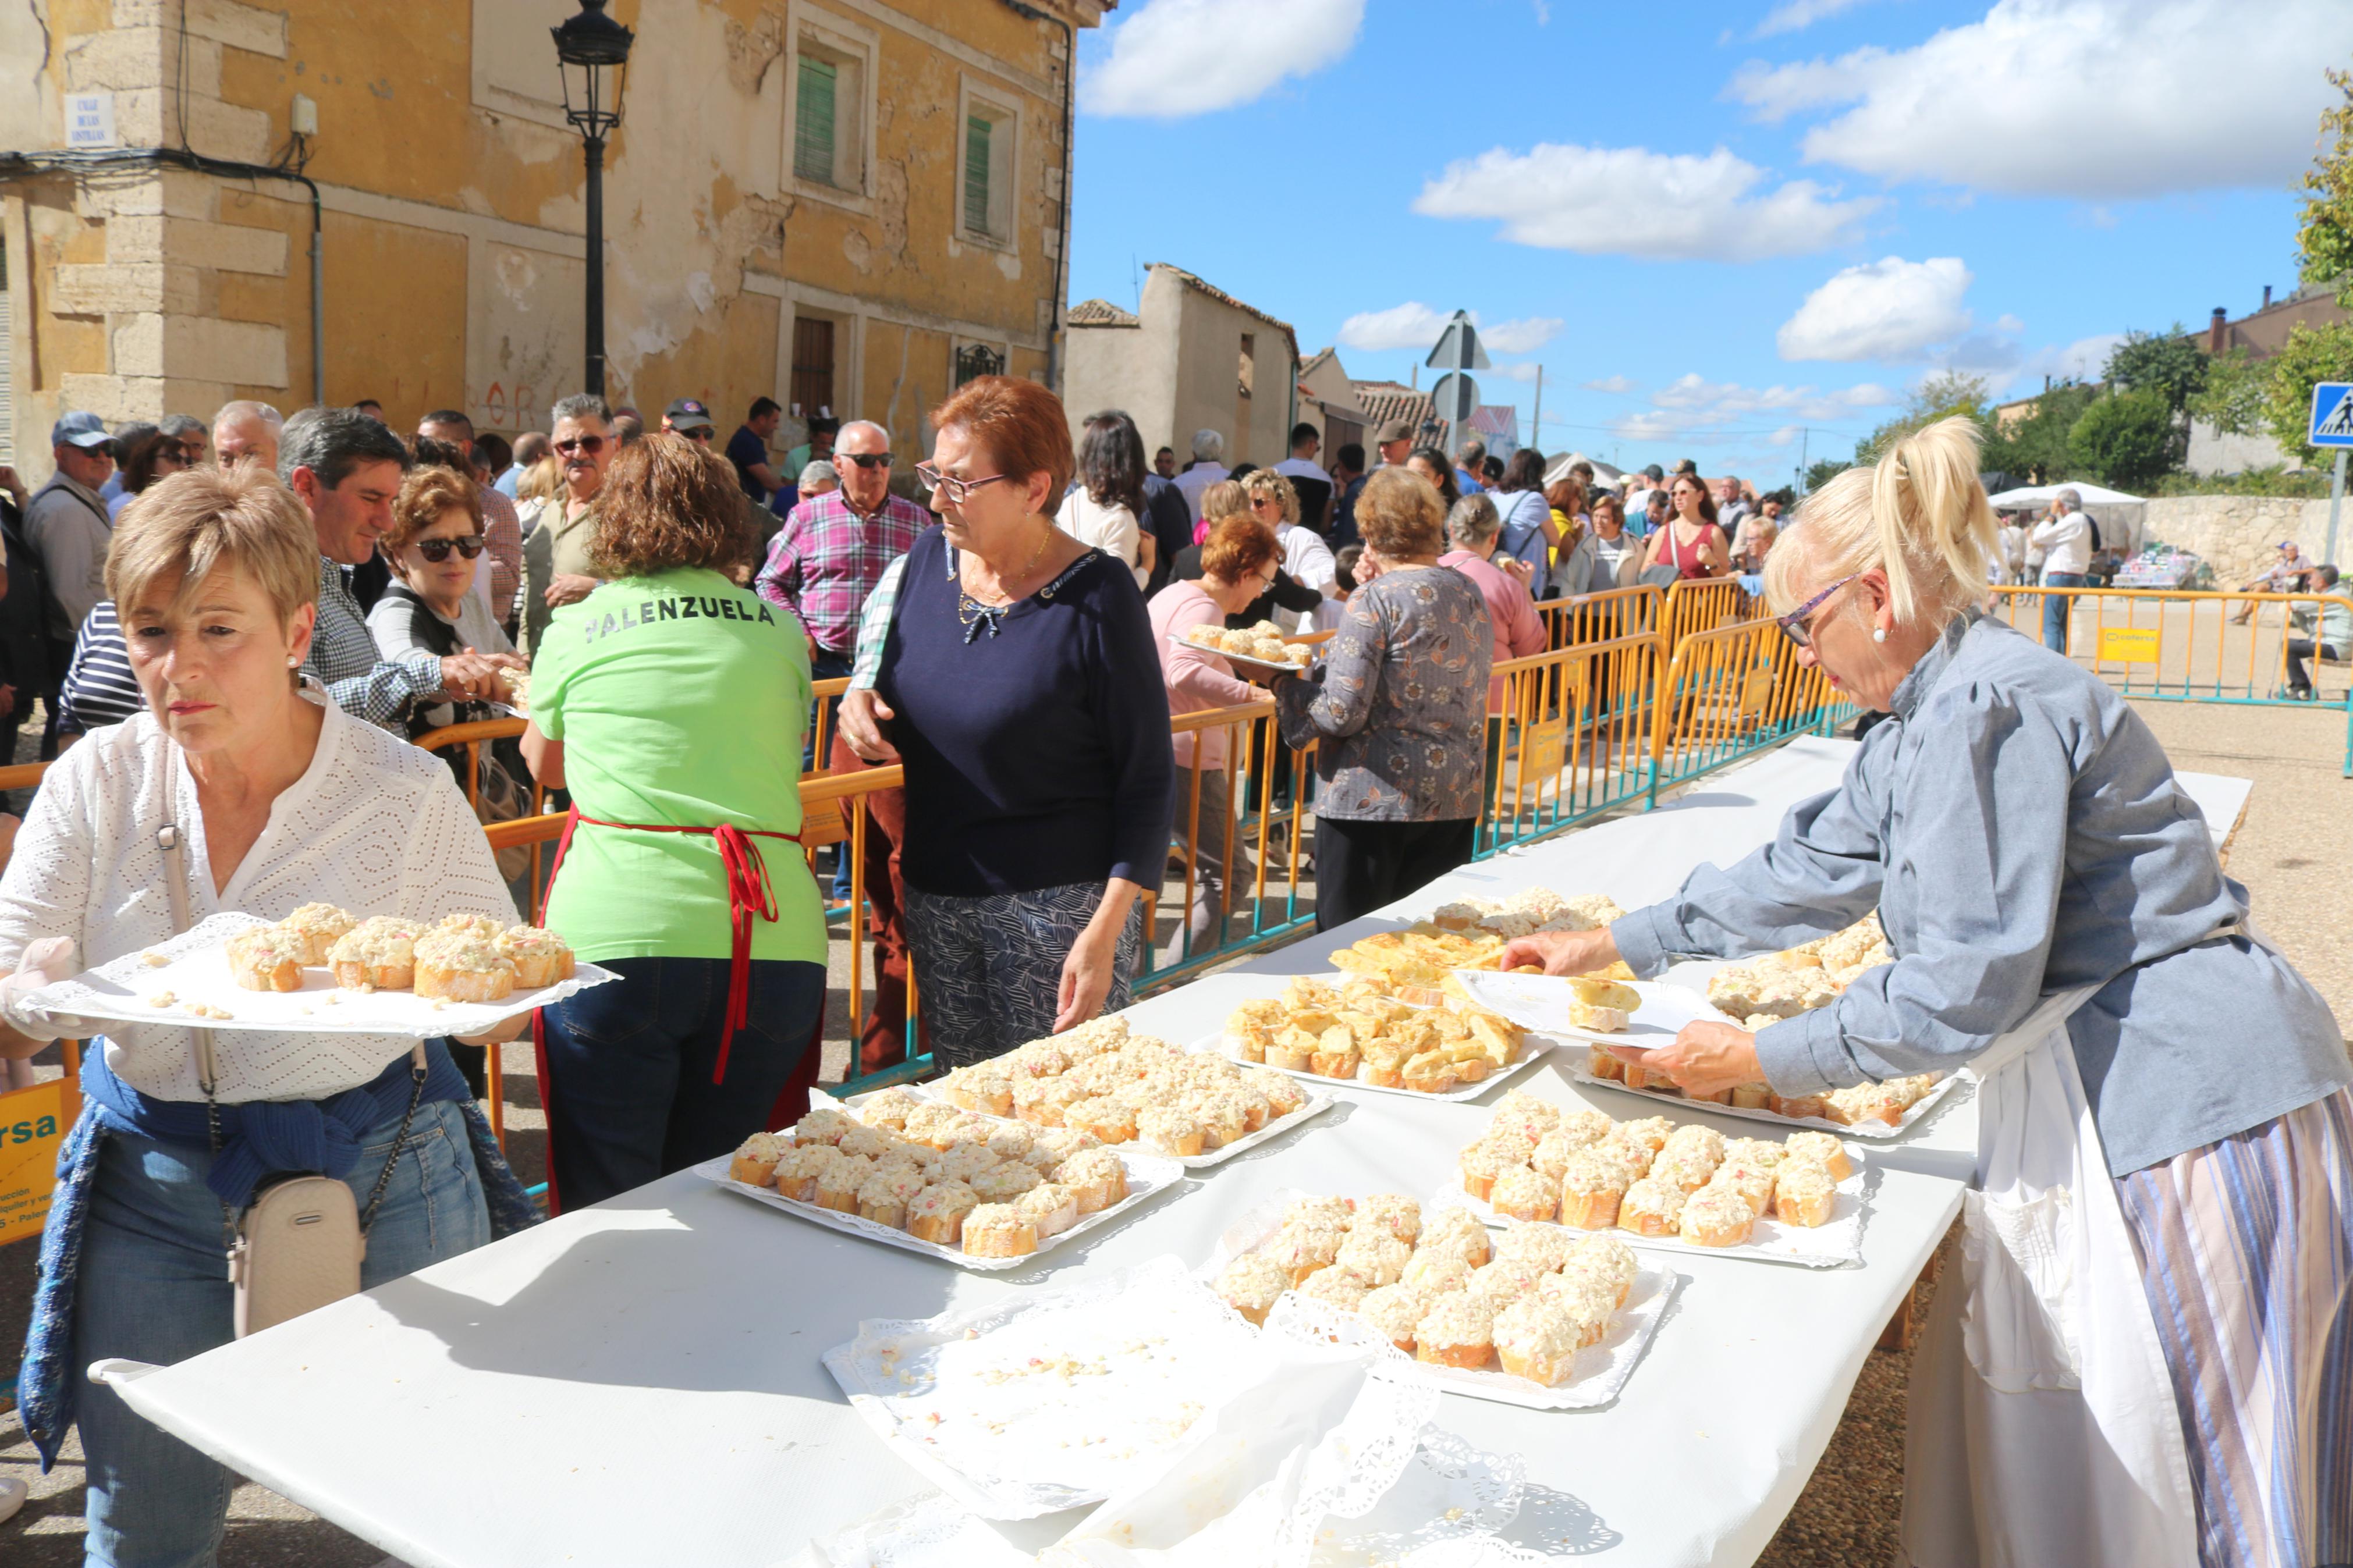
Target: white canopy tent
(2121, 517)
(1603, 474)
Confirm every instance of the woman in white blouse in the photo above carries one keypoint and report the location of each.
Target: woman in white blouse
(278, 799)
(1105, 507)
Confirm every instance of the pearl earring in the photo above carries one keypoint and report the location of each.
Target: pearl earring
(1879, 634)
(297, 664)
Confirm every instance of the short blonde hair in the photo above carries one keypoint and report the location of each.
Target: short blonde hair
(1918, 514)
(1224, 499)
(205, 520)
(1266, 481)
(1399, 513)
(425, 495)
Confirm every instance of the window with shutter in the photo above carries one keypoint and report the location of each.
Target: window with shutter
(813, 121)
(975, 174)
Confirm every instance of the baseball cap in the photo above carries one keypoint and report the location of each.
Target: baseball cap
(84, 430)
(1395, 431)
(1654, 472)
(688, 413)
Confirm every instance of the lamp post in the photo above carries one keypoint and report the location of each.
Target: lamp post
(593, 50)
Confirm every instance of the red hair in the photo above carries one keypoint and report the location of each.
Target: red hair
(1020, 424)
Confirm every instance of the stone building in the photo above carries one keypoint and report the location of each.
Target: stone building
(845, 203)
(1194, 358)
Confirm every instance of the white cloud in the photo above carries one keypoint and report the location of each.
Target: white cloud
(2083, 360)
(1889, 310)
(1611, 383)
(1693, 408)
(1414, 325)
(1800, 13)
(1180, 58)
(2096, 99)
(1631, 201)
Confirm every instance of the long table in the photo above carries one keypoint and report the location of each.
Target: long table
(639, 1383)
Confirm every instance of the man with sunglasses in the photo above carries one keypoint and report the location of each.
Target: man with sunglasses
(556, 570)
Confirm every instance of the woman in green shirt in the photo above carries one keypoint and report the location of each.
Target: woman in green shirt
(670, 702)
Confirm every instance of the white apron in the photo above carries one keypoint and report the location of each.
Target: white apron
(2043, 1428)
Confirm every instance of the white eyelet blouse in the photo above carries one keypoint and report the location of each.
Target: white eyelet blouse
(374, 825)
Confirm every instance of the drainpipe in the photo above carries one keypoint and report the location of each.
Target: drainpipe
(1069, 152)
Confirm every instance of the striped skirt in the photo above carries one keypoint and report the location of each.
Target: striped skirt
(2246, 1248)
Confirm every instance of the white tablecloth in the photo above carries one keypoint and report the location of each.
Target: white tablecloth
(639, 1383)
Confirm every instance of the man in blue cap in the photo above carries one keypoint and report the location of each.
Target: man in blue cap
(67, 525)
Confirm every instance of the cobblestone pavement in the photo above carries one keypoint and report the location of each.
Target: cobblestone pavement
(2288, 849)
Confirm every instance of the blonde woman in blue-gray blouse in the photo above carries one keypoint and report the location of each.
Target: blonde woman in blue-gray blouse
(2019, 832)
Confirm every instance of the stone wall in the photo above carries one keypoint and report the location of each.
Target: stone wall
(2238, 535)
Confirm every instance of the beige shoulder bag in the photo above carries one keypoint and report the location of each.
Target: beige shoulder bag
(300, 1243)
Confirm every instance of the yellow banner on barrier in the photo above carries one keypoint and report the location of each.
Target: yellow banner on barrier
(2128, 645)
(33, 1125)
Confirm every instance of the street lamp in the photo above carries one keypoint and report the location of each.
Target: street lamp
(594, 53)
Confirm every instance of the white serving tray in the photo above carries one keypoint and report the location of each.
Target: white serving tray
(1284, 667)
(196, 972)
(1835, 1244)
(1532, 1049)
(1147, 1174)
(1317, 1104)
(1574, 1069)
(1601, 1370)
(1542, 1002)
(976, 1402)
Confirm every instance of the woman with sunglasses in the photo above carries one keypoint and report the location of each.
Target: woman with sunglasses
(434, 545)
(2166, 1140)
(1011, 670)
(1691, 542)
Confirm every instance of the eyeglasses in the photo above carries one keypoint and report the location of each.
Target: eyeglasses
(1265, 500)
(872, 460)
(591, 445)
(702, 435)
(1793, 624)
(954, 489)
(436, 550)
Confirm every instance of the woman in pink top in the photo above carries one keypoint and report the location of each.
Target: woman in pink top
(1475, 528)
(1238, 562)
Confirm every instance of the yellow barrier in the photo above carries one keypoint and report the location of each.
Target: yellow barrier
(1602, 617)
(1566, 742)
(1248, 814)
(1705, 605)
(1730, 692)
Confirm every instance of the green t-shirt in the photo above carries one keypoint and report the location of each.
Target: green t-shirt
(681, 699)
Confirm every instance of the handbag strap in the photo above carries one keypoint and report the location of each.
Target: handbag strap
(168, 838)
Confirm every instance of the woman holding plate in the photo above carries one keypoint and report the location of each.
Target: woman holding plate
(275, 798)
(2167, 1147)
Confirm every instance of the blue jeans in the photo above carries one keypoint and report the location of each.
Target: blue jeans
(155, 1288)
(630, 1098)
(2055, 607)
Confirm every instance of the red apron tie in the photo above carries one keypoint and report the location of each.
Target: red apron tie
(749, 893)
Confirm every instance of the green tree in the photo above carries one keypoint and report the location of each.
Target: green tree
(2232, 398)
(1822, 472)
(2033, 447)
(2310, 354)
(2167, 364)
(1940, 397)
(2129, 440)
(2323, 240)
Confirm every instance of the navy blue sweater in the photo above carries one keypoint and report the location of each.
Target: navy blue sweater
(1037, 757)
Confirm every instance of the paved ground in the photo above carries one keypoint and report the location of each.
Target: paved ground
(2289, 850)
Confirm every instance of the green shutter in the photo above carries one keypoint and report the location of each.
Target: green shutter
(813, 121)
(975, 174)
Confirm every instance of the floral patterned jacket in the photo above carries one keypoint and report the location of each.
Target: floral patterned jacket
(1399, 703)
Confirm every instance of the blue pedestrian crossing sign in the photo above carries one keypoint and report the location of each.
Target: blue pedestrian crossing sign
(2332, 415)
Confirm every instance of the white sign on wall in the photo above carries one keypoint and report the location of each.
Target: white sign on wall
(90, 120)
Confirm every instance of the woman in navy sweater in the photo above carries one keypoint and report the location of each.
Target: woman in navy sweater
(1011, 670)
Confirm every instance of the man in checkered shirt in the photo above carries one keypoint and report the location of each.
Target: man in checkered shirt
(830, 552)
(345, 469)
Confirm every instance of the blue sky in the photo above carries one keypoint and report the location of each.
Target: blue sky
(1735, 231)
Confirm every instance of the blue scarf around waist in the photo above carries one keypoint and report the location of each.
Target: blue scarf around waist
(259, 1138)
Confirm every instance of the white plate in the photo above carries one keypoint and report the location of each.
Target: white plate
(1541, 1001)
(1533, 1049)
(1600, 1370)
(1284, 667)
(197, 972)
(1317, 1104)
(976, 1401)
(1147, 1174)
(1574, 1069)
(1835, 1244)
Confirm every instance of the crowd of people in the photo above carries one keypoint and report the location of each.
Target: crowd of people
(237, 629)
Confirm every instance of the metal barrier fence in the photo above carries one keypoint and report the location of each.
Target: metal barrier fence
(1706, 605)
(2175, 646)
(1731, 692)
(1566, 740)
